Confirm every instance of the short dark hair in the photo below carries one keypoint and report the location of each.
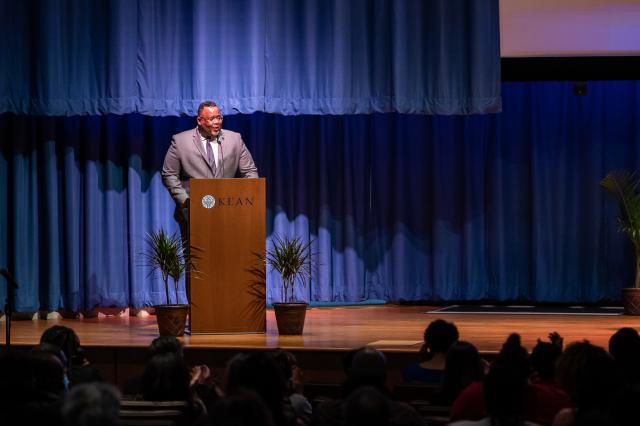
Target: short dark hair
(440, 335)
(90, 404)
(67, 341)
(206, 104)
(624, 344)
(165, 345)
(543, 359)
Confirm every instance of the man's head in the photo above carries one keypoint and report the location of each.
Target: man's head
(209, 119)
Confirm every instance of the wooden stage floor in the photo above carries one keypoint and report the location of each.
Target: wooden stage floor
(390, 328)
(117, 343)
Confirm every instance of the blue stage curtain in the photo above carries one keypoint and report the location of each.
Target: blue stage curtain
(160, 58)
(399, 207)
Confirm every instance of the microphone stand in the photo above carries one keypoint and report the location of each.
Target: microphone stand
(9, 305)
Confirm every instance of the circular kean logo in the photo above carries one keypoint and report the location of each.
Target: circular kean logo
(208, 201)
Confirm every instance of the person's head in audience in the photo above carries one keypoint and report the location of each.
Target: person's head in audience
(165, 344)
(71, 354)
(506, 383)
(288, 365)
(242, 408)
(438, 338)
(31, 388)
(165, 378)
(624, 347)
(233, 369)
(367, 368)
(462, 367)
(543, 360)
(67, 341)
(588, 374)
(48, 366)
(348, 359)
(91, 404)
(367, 406)
(261, 374)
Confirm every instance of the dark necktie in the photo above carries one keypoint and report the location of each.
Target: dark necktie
(210, 158)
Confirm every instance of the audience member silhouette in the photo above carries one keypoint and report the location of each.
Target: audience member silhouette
(544, 357)
(77, 366)
(91, 404)
(165, 378)
(506, 396)
(462, 367)
(367, 406)
(624, 347)
(32, 387)
(438, 338)
(159, 345)
(202, 393)
(588, 374)
(506, 384)
(242, 408)
(165, 344)
(260, 373)
(367, 368)
(294, 389)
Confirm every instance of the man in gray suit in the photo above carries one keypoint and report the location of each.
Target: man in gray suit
(205, 152)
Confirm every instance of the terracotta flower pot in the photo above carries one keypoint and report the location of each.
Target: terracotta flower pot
(631, 301)
(171, 319)
(290, 317)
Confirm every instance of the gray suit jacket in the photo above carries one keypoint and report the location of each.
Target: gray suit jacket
(186, 159)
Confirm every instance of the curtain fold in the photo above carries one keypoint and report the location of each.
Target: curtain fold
(162, 58)
(397, 206)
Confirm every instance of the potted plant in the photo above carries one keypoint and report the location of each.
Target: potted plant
(624, 185)
(292, 259)
(164, 253)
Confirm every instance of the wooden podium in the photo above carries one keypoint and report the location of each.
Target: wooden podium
(227, 233)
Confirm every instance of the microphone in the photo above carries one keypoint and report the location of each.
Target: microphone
(7, 275)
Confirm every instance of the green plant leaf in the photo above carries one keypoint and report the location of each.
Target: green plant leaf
(164, 253)
(624, 186)
(292, 259)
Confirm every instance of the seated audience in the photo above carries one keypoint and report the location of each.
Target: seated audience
(543, 381)
(32, 387)
(511, 382)
(260, 373)
(159, 345)
(438, 338)
(242, 408)
(504, 389)
(166, 378)
(294, 388)
(588, 374)
(462, 367)
(367, 368)
(77, 366)
(624, 347)
(91, 404)
(202, 391)
(367, 406)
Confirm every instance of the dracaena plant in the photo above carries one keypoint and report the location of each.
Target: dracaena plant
(164, 253)
(292, 259)
(624, 186)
